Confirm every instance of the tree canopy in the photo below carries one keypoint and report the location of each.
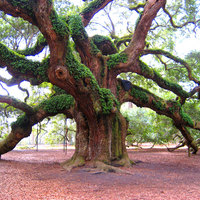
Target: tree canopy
(92, 75)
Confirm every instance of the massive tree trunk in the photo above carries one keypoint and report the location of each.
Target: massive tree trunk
(101, 139)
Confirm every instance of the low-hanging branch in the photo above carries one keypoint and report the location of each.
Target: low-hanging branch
(17, 104)
(170, 108)
(11, 82)
(21, 128)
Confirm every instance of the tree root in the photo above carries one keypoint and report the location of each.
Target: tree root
(96, 166)
(75, 161)
(102, 167)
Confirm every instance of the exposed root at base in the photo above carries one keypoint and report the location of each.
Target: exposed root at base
(102, 167)
(97, 166)
(73, 162)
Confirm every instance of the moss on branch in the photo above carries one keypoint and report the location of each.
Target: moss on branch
(23, 4)
(140, 94)
(76, 27)
(59, 24)
(104, 44)
(106, 100)
(36, 49)
(186, 118)
(57, 103)
(160, 105)
(22, 121)
(92, 6)
(22, 65)
(148, 72)
(116, 59)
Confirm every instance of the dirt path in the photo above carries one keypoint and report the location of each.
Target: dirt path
(30, 175)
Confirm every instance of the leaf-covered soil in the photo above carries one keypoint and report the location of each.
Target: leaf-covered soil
(158, 174)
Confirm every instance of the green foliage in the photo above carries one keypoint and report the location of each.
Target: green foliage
(159, 105)
(139, 93)
(22, 121)
(186, 118)
(59, 25)
(76, 27)
(147, 126)
(24, 4)
(115, 59)
(93, 5)
(106, 100)
(57, 103)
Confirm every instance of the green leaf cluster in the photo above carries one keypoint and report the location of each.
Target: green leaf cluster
(139, 93)
(93, 5)
(59, 25)
(76, 27)
(106, 100)
(22, 121)
(57, 103)
(24, 4)
(115, 59)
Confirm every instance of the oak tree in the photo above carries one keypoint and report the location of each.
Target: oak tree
(87, 87)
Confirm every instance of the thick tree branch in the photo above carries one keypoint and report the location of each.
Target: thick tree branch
(170, 108)
(40, 44)
(18, 65)
(23, 126)
(17, 104)
(137, 43)
(23, 9)
(91, 9)
(81, 39)
(11, 82)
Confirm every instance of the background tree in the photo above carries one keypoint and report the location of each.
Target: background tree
(86, 84)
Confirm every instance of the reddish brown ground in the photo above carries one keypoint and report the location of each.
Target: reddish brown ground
(27, 174)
